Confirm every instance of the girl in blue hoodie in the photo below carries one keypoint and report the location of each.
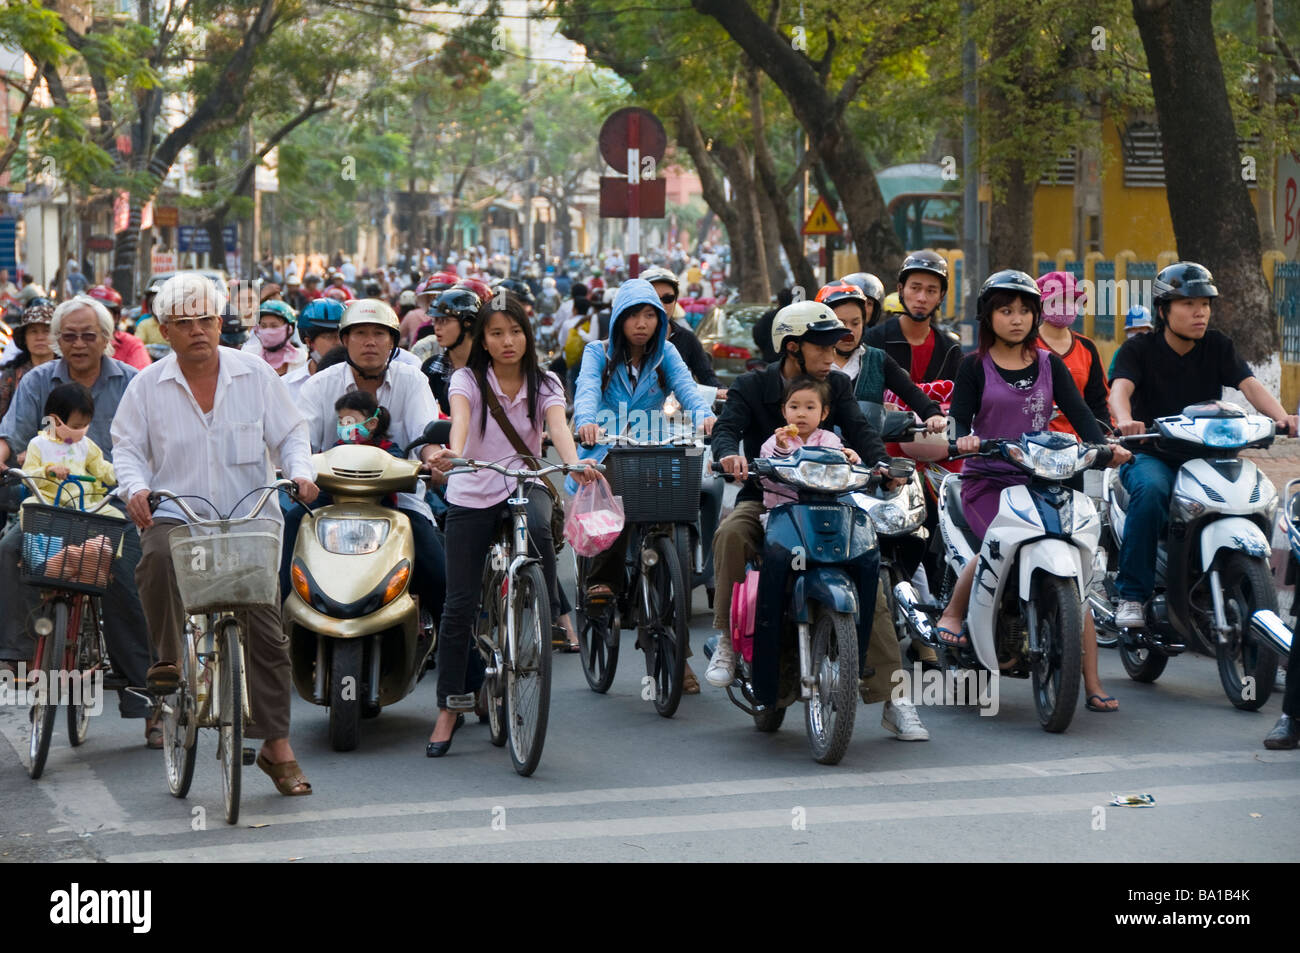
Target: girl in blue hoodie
(622, 387)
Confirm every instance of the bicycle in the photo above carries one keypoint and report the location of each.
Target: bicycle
(516, 599)
(224, 567)
(659, 482)
(68, 554)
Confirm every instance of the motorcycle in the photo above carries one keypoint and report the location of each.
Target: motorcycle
(358, 641)
(1268, 626)
(711, 493)
(1213, 563)
(1025, 618)
(819, 642)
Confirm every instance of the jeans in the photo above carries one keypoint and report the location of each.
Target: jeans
(125, 635)
(1150, 485)
(429, 576)
(471, 533)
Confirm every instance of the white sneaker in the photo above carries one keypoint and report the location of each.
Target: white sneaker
(901, 718)
(1129, 615)
(722, 667)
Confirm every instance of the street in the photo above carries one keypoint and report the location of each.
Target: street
(619, 783)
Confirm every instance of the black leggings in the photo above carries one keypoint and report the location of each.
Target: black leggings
(470, 533)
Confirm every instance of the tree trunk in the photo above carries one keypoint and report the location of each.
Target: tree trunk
(770, 217)
(748, 255)
(822, 117)
(1214, 221)
(1011, 243)
(777, 224)
(688, 135)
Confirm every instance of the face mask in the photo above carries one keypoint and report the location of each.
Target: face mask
(68, 434)
(1058, 320)
(354, 433)
(272, 338)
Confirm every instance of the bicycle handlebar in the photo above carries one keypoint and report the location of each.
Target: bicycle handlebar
(462, 465)
(694, 437)
(157, 496)
(29, 480)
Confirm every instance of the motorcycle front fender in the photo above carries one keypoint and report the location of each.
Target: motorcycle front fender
(1055, 557)
(1232, 533)
(825, 585)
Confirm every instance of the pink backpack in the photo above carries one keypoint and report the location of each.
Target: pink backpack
(744, 607)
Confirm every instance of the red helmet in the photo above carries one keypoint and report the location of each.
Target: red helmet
(478, 287)
(338, 294)
(107, 295)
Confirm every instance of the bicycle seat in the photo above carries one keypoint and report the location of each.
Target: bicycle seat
(956, 515)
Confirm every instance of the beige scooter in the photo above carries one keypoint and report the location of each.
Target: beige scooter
(358, 639)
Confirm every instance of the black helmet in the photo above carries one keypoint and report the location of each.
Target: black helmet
(924, 260)
(1183, 279)
(459, 303)
(871, 286)
(519, 289)
(1010, 280)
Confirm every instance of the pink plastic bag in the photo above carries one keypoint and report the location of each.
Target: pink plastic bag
(744, 610)
(595, 518)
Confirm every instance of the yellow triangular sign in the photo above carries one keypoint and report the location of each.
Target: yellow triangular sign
(821, 221)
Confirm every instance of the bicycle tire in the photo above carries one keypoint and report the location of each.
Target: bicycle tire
(180, 726)
(598, 638)
(668, 625)
(231, 720)
(492, 685)
(53, 648)
(85, 656)
(528, 675)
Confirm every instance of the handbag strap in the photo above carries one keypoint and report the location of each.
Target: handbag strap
(499, 415)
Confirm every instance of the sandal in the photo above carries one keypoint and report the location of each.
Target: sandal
(163, 678)
(153, 733)
(1101, 704)
(288, 777)
(958, 640)
(599, 596)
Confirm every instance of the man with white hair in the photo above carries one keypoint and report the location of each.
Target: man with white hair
(204, 422)
(81, 329)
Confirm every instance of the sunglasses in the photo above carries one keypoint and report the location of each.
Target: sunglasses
(187, 325)
(85, 337)
(667, 299)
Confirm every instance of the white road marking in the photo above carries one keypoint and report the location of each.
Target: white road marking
(774, 820)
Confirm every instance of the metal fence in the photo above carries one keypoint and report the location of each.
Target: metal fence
(1286, 304)
(1103, 326)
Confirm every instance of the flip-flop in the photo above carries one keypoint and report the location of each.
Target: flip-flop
(286, 775)
(960, 642)
(1102, 699)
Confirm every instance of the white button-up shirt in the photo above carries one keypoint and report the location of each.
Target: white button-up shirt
(404, 392)
(163, 441)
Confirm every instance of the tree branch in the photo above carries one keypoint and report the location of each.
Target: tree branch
(17, 134)
(1286, 52)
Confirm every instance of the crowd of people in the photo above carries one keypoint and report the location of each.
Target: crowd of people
(210, 388)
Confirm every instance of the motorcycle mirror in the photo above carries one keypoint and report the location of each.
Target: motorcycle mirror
(901, 469)
(438, 431)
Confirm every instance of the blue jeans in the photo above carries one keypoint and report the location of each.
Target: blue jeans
(1150, 484)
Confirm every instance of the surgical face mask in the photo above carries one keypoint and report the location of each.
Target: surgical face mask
(1058, 319)
(68, 434)
(354, 432)
(272, 337)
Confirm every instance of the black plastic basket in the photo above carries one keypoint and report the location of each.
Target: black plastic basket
(657, 484)
(50, 530)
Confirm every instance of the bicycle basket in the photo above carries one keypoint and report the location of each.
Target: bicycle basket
(657, 484)
(227, 565)
(65, 548)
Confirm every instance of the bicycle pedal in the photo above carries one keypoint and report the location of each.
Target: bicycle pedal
(249, 756)
(460, 702)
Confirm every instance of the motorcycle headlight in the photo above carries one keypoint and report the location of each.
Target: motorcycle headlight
(827, 476)
(1189, 507)
(351, 537)
(1053, 464)
(891, 519)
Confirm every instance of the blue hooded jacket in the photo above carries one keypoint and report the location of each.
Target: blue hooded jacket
(622, 409)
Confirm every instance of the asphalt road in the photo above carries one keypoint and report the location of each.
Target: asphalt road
(618, 782)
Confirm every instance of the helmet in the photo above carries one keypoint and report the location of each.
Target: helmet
(1138, 317)
(435, 283)
(661, 274)
(323, 314)
(337, 294)
(406, 299)
(892, 304)
(1010, 280)
(519, 289)
(370, 311)
(280, 310)
(1183, 279)
(809, 321)
(928, 261)
(107, 295)
(478, 287)
(832, 294)
(871, 286)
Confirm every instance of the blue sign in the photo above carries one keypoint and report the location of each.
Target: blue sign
(9, 244)
(195, 238)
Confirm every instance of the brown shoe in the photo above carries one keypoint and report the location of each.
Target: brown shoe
(690, 685)
(163, 677)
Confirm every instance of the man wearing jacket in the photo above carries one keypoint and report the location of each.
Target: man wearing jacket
(804, 334)
(927, 352)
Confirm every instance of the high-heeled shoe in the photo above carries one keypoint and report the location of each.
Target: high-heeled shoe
(436, 749)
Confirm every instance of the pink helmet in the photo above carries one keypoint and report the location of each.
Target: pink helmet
(1063, 298)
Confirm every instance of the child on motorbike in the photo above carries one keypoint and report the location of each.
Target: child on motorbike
(805, 404)
(62, 449)
(1006, 389)
(362, 420)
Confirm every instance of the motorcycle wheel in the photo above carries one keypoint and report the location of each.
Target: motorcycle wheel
(829, 714)
(345, 681)
(1246, 668)
(770, 719)
(1142, 664)
(1057, 674)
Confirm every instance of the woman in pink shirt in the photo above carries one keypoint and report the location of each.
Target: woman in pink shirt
(503, 358)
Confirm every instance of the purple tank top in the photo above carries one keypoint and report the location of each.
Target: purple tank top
(1006, 412)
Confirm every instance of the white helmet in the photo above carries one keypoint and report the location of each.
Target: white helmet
(370, 311)
(809, 321)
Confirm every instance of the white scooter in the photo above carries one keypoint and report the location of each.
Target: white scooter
(1213, 565)
(1025, 617)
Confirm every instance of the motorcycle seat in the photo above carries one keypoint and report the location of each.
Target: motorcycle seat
(957, 516)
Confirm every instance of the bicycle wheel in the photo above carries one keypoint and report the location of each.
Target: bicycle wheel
(664, 603)
(597, 638)
(45, 705)
(490, 635)
(528, 673)
(231, 719)
(180, 722)
(85, 658)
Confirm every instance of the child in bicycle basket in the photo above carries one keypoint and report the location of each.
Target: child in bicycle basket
(500, 401)
(62, 449)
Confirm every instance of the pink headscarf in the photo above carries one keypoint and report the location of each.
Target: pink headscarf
(1063, 298)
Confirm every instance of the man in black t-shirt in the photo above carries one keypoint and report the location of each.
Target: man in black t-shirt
(1182, 362)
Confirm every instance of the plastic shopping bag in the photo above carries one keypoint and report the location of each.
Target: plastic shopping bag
(744, 609)
(595, 518)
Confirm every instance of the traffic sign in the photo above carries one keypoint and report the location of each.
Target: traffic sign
(632, 128)
(614, 199)
(821, 221)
